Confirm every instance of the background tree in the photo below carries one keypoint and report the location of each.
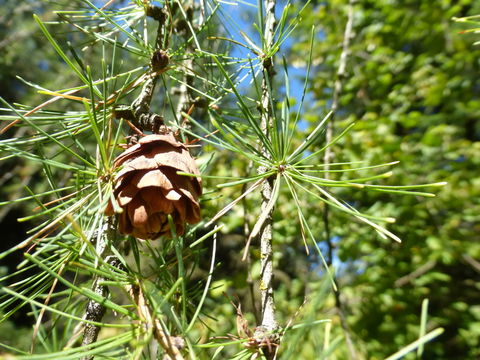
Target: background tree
(412, 86)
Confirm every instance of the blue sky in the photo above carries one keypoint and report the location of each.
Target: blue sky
(238, 16)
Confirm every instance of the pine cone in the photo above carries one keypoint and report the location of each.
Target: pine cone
(148, 188)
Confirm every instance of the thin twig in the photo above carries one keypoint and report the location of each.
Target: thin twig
(337, 90)
(95, 310)
(338, 85)
(201, 16)
(185, 94)
(140, 108)
(170, 344)
(404, 280)
(472, 262)
(265, 333)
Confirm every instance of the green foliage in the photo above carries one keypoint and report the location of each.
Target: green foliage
(412, 88)
(410, 96)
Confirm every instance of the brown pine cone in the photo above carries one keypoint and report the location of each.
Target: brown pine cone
(148, 188)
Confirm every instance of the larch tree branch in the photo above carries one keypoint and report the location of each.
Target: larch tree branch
(337, 91)
(95, 310)
(139, 113)
(265, 333)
